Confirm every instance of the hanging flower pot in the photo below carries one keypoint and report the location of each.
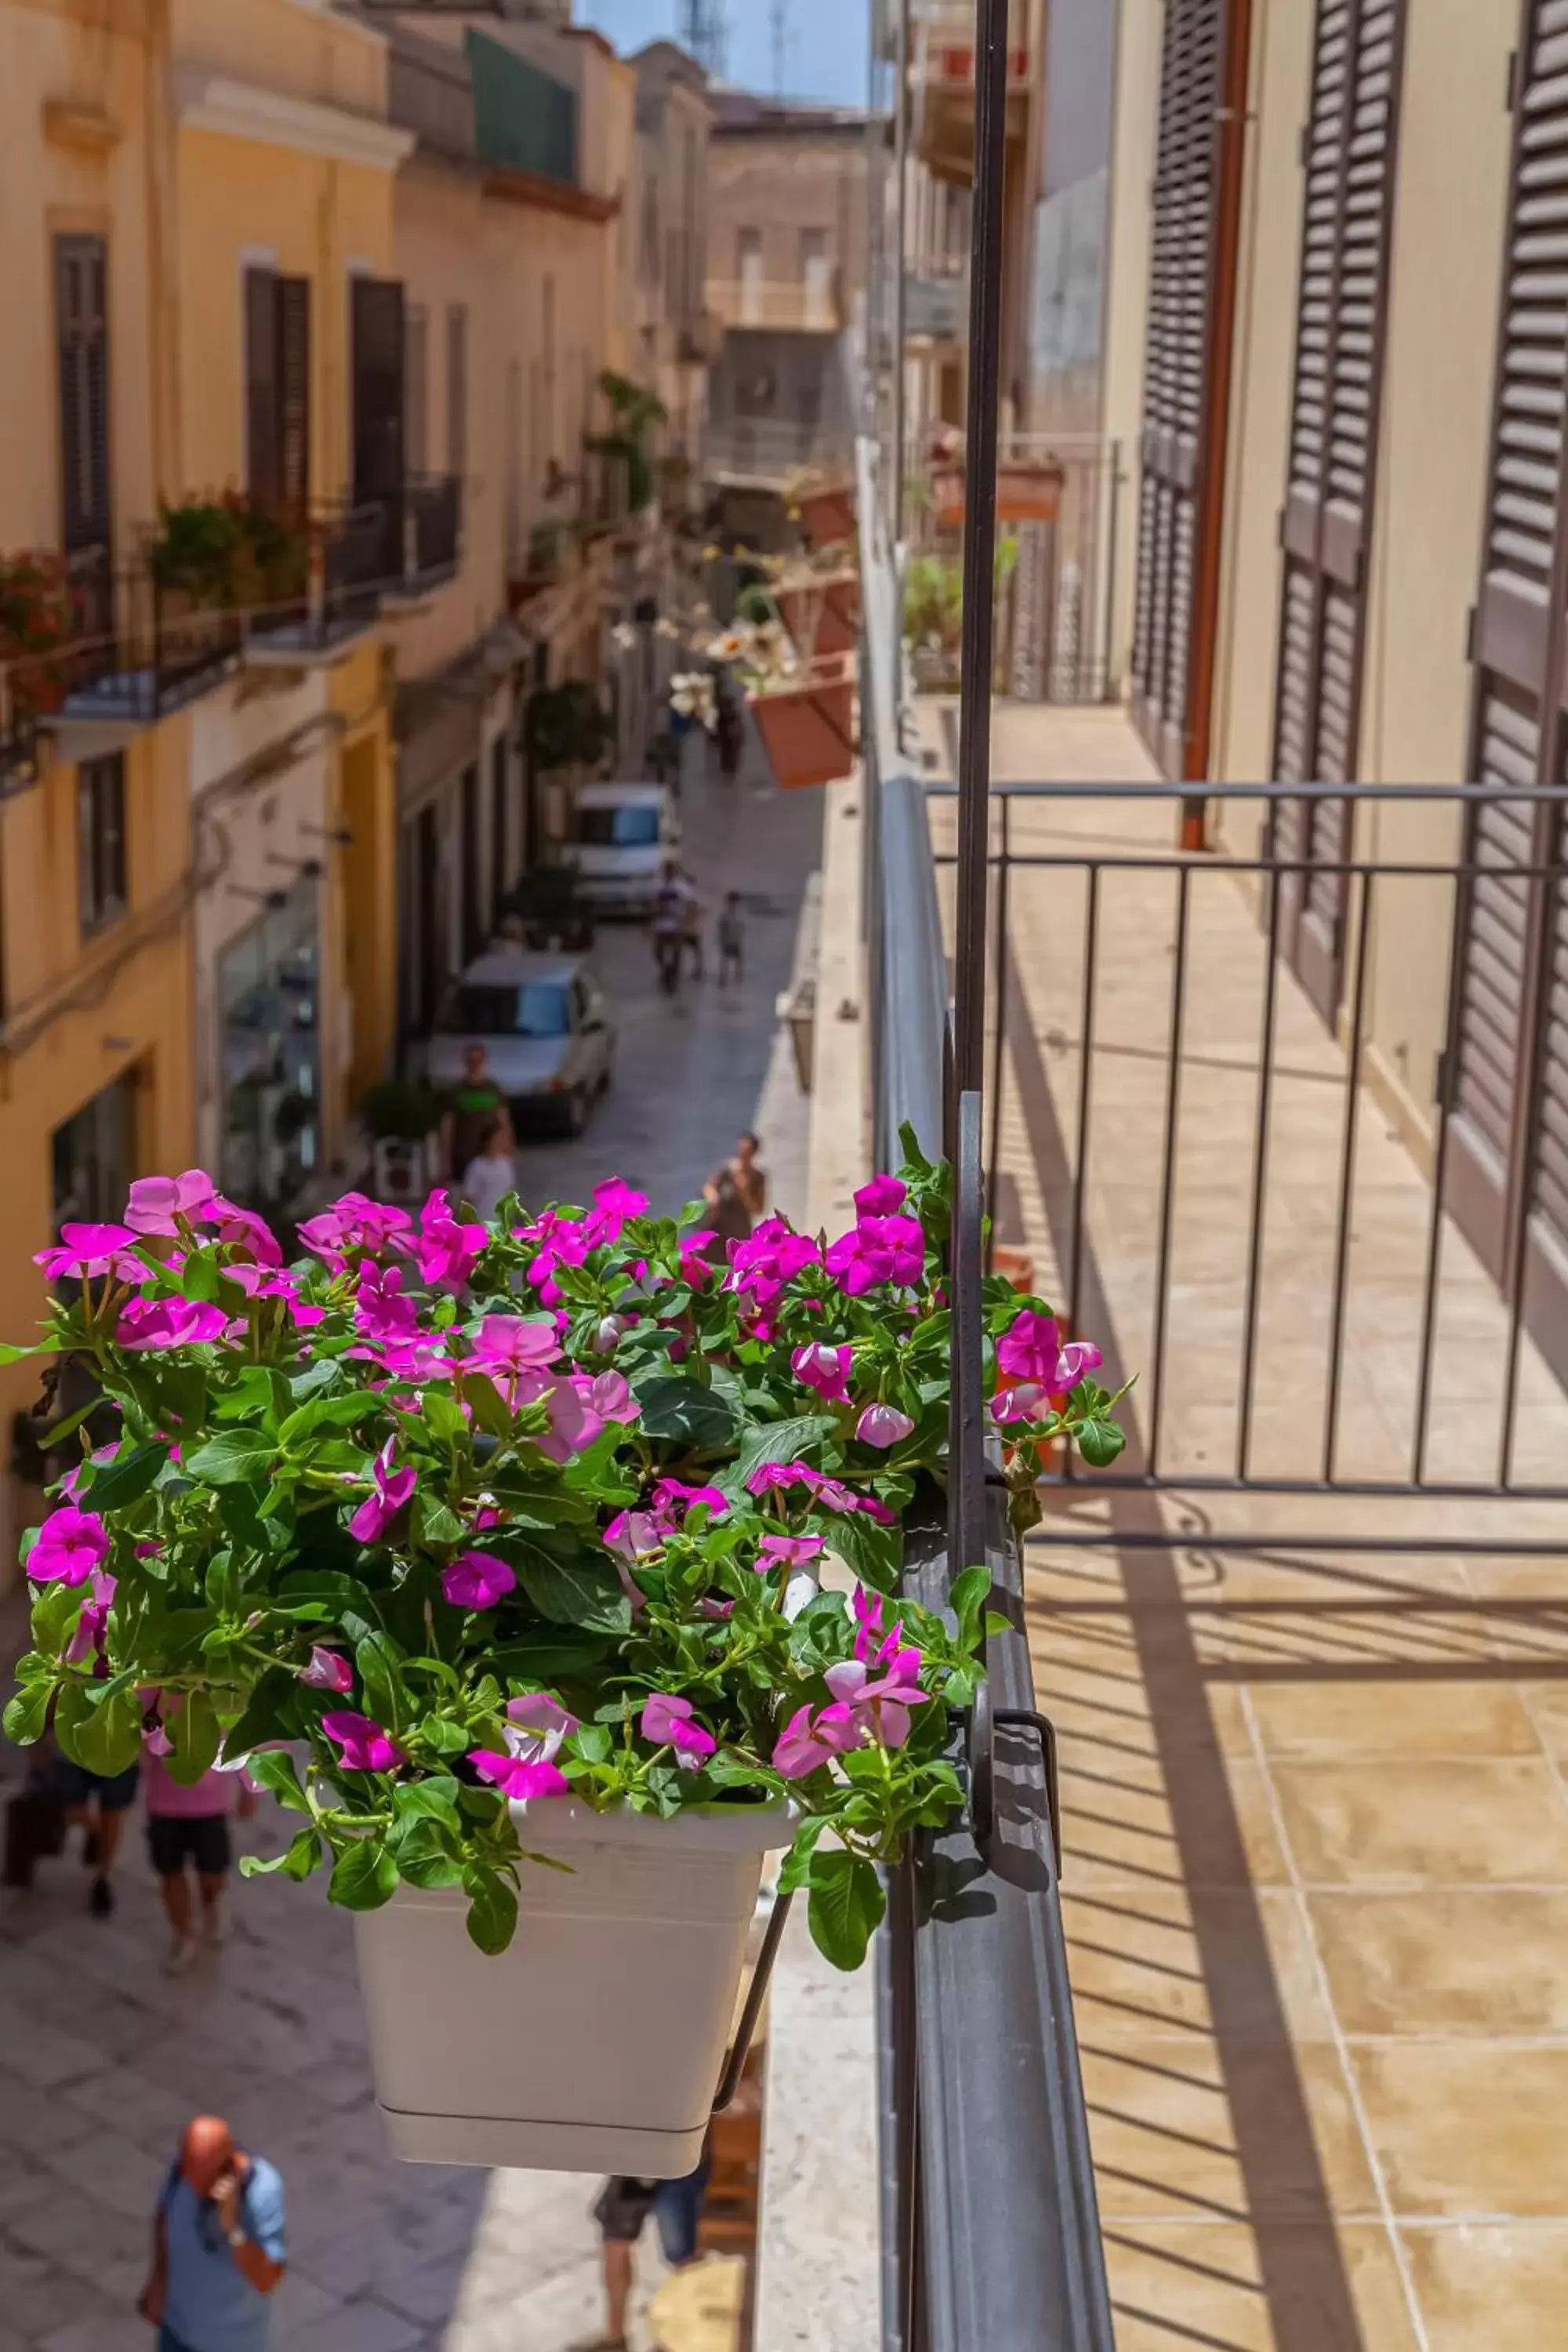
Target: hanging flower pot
(1027, 491)
(825, 509)
(512, 1534)
(821, 611)
(595, 2041)
(807, 722)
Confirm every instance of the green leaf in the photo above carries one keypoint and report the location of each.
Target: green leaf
(447, 1738)
(102, 1733)
(364, 1876)
(442, 1415)
(578, 1591)
(433, 1799)
(492, 1909)
(379, 1659)
(325, 1413)
(232, 1457)
(298, 1861)
(1099, 1441)
(870, 1551)
(427, 1853)
(9, 1355)
(773, 1441)
(435, 1523)
(27, 1711)
(273, 1768)
(271, 1712)
(681, 1412)
(126, 1479)
(197, 1736)
(546, 1656)
(967, 1599)
(845, 1907)
(796, 1867)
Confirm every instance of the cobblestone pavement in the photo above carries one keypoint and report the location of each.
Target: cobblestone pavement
(102, 2058)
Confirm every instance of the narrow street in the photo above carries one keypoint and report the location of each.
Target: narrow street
(104, 2059)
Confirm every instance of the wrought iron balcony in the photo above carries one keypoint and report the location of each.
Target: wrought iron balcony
(799, 306)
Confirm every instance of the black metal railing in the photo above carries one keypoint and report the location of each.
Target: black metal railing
(433, 528)
(1373, 1325)
(142, 649)
(989, 2226)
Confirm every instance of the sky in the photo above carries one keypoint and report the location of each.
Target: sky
(825, 54)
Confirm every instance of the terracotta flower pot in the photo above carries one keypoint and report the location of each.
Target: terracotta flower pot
(809, 730)
(595, 2041)
(827, 516)
(822, 616)
(1027, 491)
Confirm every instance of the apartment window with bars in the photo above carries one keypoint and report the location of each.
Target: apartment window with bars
(101, 841)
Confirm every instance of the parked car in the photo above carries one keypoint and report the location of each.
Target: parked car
(621, 836)
(544, 1023)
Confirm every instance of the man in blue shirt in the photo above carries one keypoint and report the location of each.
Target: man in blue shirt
(217, 2246)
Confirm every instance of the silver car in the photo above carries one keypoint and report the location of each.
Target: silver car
(545, 1023)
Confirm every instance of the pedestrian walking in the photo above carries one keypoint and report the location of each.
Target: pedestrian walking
(471, 1107)
(732, 941)
(190, 1824)
(728, 733)
(737, 1192)
(97, 1804)
(218, 2250)
(692, 929)
(491, 1174)
(621, 2212)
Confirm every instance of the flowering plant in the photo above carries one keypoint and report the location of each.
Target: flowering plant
(475, 1513)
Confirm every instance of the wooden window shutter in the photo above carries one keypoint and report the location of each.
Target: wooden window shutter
(1192, 280)
(261, 402)
(1349, 155)
(378, 389)
(81, 327)
(294, 394)
(1506, 1167)
(417, 391)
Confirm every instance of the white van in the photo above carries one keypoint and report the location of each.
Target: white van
(621, 836)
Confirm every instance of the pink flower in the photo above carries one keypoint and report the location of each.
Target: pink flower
(537, 1725)
(328, 1670)
(673, 1497)
(393, 1490)
(611, 1331)
(771, 1257)
(825, 1369)
(380, 1311)
(828, 1494)
(447, 1248)
(418, 1362)
(354, 1223)
(789, 1551)
(147, 1323)
(573, 1424)
(364, 1746)
(696, 1267)
(477, 1579)
(808, 1741)
(564, 1241)
(514, 1349)
(242, 1229)
(607, 1395)
(879, 1250)
(87, 1639)
(635, 1535)
(669, 1722)
(88, 1250)
(879, 1704)
(884, 1196)
(157, 1742)
(516, 1777)
(1027, 1400)
(883, 1425)
(159, 1203)
(1032, 1350)
(69, 1545)
(616, 1203)
(71, 1485)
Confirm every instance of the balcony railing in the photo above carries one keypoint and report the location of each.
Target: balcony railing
(764, 451)
(432, 530)
(803, 306)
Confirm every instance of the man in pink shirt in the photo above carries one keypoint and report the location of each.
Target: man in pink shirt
(191, 1824)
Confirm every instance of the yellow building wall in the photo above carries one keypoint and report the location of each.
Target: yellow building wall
(242, 199)
(301, 48)
(361, 924)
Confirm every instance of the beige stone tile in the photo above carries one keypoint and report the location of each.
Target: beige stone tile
(1188, 1816)
(1491, 2287)
(1490, 1821)
(1154, 1960)
(1392, 1718)
(1467, 2128)
(1448, 1960)
(1163, 2120)
(1174, 2284)
(1548, 1704)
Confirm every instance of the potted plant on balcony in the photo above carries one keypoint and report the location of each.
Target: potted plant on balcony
(496, 1551)
(803, 704)
(401, 1117)
(817, 599)
(824, 505)
(35, 623)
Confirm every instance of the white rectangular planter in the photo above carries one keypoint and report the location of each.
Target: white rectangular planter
(596, 2041)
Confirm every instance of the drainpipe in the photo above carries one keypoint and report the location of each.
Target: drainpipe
(162, 268)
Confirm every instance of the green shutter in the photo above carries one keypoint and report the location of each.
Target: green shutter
(522, 118)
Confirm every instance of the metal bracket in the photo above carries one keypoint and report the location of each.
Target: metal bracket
(757, 1992)
(983, 1779)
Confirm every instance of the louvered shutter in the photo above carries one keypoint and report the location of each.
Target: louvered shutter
(1192, 269)
(294, 394)
(1508, 1035)
(1349, 154)
(261, 470)
(81, 322)
(378, 363)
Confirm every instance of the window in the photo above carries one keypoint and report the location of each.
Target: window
(81, 326)
(499, 861)
(531, 1008)
(90, 1156)
(472, 920)
(618, 828)
(416, 389)
(277, 388)
(458, 388)
(101, 841)
(749, 254)
(269, 988)
(378, 360)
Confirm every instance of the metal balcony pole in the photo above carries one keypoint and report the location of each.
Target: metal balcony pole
(901, 216)
(980, 542)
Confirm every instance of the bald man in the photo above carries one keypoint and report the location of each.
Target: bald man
(217, 2246)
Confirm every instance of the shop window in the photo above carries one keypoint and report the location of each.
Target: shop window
(269, 999)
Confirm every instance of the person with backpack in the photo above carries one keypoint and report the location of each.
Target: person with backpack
(218, 2245)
